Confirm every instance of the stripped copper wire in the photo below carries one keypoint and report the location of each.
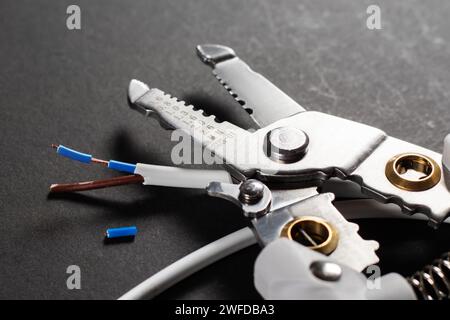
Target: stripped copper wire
(96, 184)
(100, 161)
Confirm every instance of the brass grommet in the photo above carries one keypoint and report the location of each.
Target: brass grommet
(312, 232)
(398, 166)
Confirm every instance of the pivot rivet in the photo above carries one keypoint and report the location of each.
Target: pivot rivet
(251, 191)
(286, 144)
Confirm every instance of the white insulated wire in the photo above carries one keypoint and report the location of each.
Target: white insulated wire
(232, 243)
(190, 264)
(180, 177)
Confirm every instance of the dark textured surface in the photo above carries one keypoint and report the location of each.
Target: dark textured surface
(60, 86)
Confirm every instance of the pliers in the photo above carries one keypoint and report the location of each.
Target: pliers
(280, 176)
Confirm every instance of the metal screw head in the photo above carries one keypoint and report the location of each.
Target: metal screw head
(286, 144)
(327, 271)
(251, 191)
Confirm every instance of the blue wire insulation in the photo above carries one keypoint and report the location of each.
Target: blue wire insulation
(74, 155)
(121, 232)
(87, 158)
(121, 166)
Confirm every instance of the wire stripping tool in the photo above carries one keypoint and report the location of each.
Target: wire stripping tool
(278, 175)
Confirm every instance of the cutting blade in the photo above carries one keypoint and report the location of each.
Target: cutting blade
(265, 102)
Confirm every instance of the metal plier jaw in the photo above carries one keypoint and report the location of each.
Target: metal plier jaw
(298, 148)
(302, 215)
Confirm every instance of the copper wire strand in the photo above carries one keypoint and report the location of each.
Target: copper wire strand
(96, 184)
(100, 161)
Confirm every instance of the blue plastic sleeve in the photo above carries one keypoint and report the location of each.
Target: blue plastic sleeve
(74, 155)
(121, 166)
(121, 232)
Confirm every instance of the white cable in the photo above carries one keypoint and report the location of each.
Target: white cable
(180, 177)
(190, 264)
(226, 246)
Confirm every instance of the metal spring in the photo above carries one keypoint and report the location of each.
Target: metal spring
(433, 282)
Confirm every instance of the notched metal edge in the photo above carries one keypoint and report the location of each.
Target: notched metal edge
(408, 208)
(244, 104)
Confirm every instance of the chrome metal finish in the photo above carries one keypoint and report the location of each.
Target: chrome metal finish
(351, 250)
(337, 148)
(271, 214)
(286, 197)
(286, 144)
(325, 270)
(251, 191)
(348, 142)
(264, 101)
(212, 54)
(334, 143)
(232, 192)
(434, 202)
(433, 282)
(175, 114)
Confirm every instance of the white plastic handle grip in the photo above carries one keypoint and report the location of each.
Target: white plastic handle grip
(446, 153)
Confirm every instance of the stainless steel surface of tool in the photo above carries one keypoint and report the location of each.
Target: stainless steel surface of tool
(329, 146)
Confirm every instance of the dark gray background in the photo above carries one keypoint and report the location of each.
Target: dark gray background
(69, 87)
